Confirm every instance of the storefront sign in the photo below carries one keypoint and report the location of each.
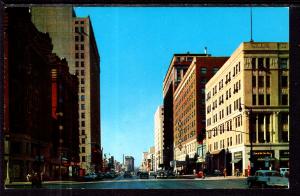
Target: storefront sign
(284, 153)
(238, 155)
(263, 153)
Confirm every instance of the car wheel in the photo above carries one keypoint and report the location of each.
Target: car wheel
(249, 184)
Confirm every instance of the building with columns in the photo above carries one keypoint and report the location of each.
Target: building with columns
(158, 136)
(249, 96)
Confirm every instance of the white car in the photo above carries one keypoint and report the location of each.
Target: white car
(267, 178)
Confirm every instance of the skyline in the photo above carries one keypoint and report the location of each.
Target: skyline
(143, 53)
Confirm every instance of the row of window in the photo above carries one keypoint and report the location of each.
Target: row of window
(79, 22)
(225, 126)
(264, 63)
(81, 72)
(79, 38)
(77, 55)
(203, 70)
(267, 101)
(222, 144)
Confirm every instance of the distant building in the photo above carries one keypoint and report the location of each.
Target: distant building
(189, 110)
(158, 136)
(129, 163)
(144, 163)
(249, 96)
(73, 39)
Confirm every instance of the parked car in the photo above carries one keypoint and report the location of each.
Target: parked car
(100, 176)
(267, 178)
(152, 173)
(144, 175)
(90, 176)
(217, 173)
(109, 175)
(127, 174)
(283, 171)
(165, 174)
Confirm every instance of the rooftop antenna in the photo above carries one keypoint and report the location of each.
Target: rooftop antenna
(251, 40)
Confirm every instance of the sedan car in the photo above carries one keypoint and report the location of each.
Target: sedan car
(144, 175)
(90, 176)
(127, 175)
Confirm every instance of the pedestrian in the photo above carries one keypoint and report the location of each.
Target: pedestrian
(224, 172)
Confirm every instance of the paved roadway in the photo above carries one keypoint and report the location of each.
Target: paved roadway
(135, 183)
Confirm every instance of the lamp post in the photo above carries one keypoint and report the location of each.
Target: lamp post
(60, 128)
(6, 157)
(251, 159)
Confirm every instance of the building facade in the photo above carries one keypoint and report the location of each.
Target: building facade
(189, 110)
(177, 69)
(158, 136)
(129, 163)
(73, 39)
(249, 96)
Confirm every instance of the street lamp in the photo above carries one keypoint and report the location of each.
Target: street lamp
(60, 128)
(6, 156)
(250, 137)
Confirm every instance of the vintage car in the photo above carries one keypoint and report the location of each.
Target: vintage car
(267, 178)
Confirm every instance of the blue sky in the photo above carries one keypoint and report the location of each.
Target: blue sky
(136, 45)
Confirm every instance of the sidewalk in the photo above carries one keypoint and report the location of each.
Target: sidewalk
(222, 178)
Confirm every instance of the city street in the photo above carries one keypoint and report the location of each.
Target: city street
(135, 183)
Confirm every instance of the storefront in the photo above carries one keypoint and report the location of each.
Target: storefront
(237, 163)
(284, 158)
(263, 159)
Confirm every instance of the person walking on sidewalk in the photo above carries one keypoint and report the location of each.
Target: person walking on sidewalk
(224, 172)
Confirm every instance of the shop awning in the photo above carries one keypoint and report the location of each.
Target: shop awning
(235, 160)
(216, 152)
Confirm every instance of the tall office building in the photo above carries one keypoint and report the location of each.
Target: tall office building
(189, 110)
(129, 163)
(249, 98)
(73, 39)
(158, 136)
(177, 69)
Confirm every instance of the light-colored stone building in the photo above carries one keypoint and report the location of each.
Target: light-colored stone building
(249, 95)
(73, 39)
(158, 136)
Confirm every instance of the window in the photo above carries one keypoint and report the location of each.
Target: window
(268, 81)
(283, 63)
(82, 149)
(253, 63)
(83, 159)
(82, 38)
(82, 97)
(82, 64)
(284, 99)
(215, 70)
(77, 72)
(203, 81)
(82, 89)
(260, 63)
(253, 81)
(83, 123)
(268, 99)
(83, 106)
(260, 99)
(76, 38)
(81, 22)
(203, 70)
(254, 99)
(76, 64)
(82, 47)
(82, 55)
(76, 22)
(82, 81)
(284, 81)
(83, 132)
(82, 115)
(260, 81)
(76, 55)
(83, 140)
(268, 63)
(82, 72)
(81, 29)
(76, 47)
